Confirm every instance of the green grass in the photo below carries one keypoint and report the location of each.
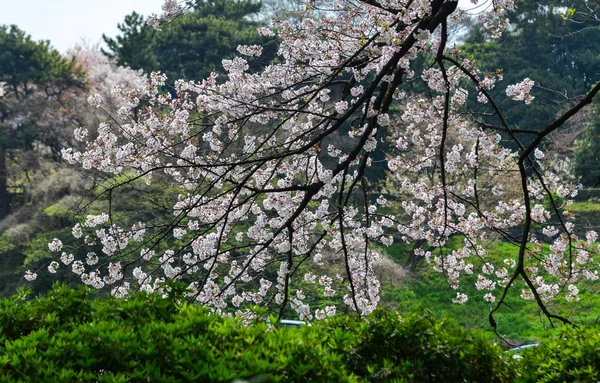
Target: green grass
(588, 206)
(520, 320)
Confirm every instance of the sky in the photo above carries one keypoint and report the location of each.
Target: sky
(68, 22)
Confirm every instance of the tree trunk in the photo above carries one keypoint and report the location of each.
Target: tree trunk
(413, 260)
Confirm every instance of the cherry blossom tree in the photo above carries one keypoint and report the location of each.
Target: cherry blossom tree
(102, 77)
(267, 194)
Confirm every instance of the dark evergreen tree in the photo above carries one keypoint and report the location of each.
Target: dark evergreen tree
(192, 45)
(133, 47)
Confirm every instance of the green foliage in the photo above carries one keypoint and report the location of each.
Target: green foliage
(583, 207)
(67, 336)
(24, 245)
(192, 45)
(556, 201)
(6, 243)
(519, 320)
(25, 65)
(59, 209)
(29, 70)
(24, 61)
(420, 348)
(37, 249)
(586, 162)
(134, 46)
(574, 356)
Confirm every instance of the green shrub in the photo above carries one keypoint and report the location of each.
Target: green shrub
(574, 356)
(66, 336)
(420, 348)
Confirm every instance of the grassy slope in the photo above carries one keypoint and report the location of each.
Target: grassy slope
(522, 322)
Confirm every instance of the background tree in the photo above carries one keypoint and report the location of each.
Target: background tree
(191, 45)
(587, 154)
(34, 76)
(561, 57)
(52, 190)
(134, 47)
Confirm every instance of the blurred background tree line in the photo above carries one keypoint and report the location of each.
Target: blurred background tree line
(44, 93)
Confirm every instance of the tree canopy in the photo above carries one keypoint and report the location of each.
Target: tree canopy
(266, 204)
(192, 45)
(31, 74)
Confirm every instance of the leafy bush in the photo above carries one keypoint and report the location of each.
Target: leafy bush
(67, 336)
(574, 356)
(420, 348)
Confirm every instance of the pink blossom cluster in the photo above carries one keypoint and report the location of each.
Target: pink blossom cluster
(271, 169)
(520, 91)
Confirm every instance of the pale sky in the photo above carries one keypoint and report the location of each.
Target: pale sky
(67, 22)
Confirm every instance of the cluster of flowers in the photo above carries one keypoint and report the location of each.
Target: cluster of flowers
(268, 182)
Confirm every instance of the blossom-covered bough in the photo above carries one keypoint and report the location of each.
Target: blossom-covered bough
(271, 168)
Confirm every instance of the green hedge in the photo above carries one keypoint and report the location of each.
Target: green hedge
(66, 336)
(574, 356)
